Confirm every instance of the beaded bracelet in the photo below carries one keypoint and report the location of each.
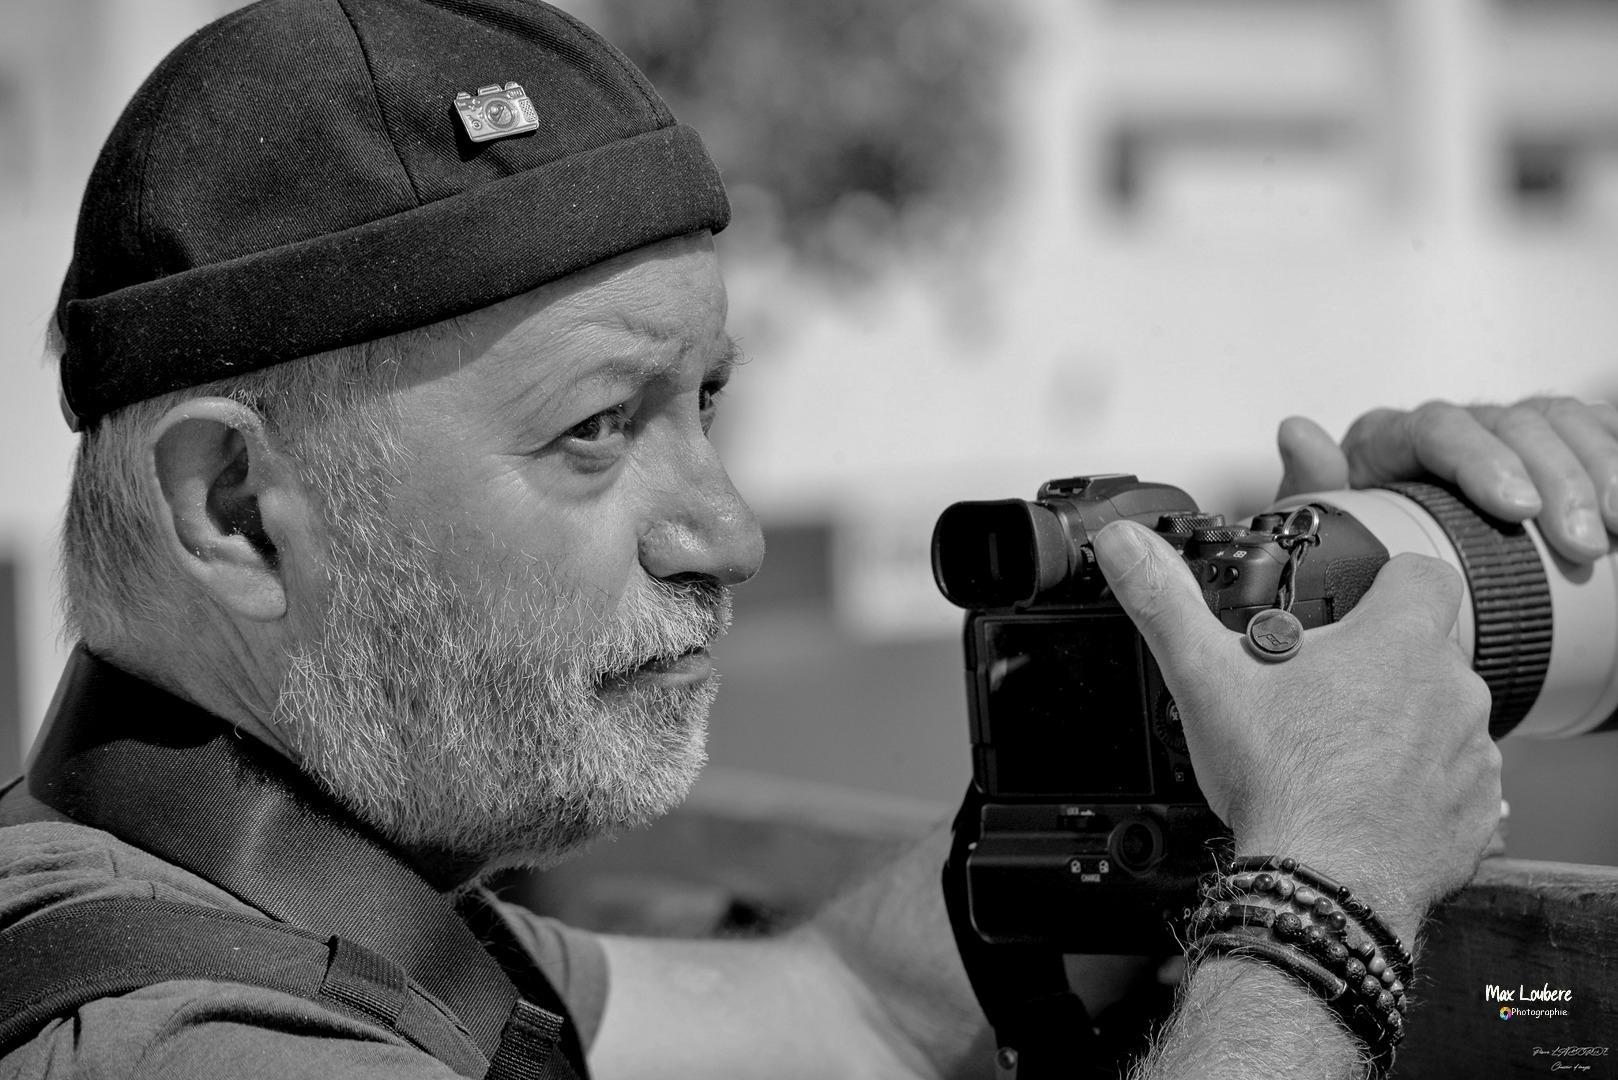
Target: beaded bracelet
(1357, 909)
(1362, 970)
(1324, 924)
(1361, 977)
(1319, 903)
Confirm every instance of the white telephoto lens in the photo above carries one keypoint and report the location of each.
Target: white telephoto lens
(1579, 691)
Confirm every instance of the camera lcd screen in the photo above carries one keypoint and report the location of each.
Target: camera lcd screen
(1063, 707)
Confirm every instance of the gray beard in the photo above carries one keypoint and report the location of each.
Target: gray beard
(492, 722)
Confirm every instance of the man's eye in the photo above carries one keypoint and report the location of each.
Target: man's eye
(708, 402)
(602, 426)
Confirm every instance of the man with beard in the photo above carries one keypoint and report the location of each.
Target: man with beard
(395, 548)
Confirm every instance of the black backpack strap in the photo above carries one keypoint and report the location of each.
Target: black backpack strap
(529, 1047)
(124, 756)
(480, 910)
(63, 959)
(59, 960)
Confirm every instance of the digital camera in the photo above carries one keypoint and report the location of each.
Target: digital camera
(1093, 829)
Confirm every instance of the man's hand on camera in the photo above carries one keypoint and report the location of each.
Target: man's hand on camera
(1554, 458)
(1367, 755)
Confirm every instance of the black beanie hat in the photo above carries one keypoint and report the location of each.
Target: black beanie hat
(296, 177)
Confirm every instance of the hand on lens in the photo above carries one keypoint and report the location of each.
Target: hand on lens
(1366, 756)
(1551, 458)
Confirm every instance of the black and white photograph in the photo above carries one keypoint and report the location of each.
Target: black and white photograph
(761, 540)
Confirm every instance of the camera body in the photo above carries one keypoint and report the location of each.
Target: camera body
(495, 112)
(1093, 829)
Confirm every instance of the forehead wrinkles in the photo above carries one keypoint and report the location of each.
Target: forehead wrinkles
(661, 299)
(646, 328)
(660, 318)
(671, 289)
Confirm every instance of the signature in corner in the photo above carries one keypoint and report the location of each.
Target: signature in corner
(1564, 1054)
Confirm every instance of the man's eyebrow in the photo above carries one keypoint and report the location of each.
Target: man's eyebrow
(632, 369)
(661, 333)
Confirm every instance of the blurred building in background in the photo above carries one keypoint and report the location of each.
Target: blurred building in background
(980, 244)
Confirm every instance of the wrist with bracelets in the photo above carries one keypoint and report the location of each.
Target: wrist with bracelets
(1315, 930)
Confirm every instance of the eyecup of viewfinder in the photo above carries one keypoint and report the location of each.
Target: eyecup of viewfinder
(999, 553)
(1009, 553)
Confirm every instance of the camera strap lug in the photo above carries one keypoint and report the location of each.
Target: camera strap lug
(1276, 634)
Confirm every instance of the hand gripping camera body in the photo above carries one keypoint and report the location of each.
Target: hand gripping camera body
(1092, 829)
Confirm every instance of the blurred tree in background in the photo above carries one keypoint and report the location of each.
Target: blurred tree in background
(842, 127)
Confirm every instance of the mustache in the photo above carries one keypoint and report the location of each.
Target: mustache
(658, 620)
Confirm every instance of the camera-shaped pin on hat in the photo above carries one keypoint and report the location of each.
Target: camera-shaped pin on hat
(496, 111)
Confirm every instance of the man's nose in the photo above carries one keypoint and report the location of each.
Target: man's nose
(703, 526)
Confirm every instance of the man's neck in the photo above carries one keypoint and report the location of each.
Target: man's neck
(231, 678)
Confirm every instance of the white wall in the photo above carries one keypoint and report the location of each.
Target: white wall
(1322, 226)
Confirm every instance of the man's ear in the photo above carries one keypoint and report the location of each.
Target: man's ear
(232, 502)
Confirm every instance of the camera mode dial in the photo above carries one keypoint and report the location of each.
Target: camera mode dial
(1185, 522)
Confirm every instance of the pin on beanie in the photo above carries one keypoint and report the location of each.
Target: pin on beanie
(308, 174)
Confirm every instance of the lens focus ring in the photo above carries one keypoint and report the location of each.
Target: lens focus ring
(1511, 600)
